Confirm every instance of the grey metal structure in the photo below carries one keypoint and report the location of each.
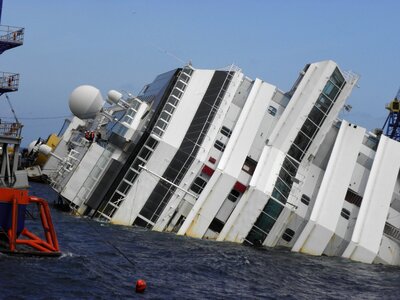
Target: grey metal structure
(10, 132)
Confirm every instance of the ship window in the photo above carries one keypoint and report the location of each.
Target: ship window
(173, 100)
(295, 152)
(305, 199)
(120, 129)
(302, 141)
(331, 90)
(345, 213)
(177, 93)
(272, 110)
(145, 153)
(128, 119)
(216, 225)
(309, 128)
(233, 195)
(323, 103)
(337, 78)
(219, 145)
(188, 70)
(162, 124)
(198, 185)
(288, 235)
(131, 175)
(136, 104)
(165, 116)
(226, 131)
(131, 112)
(169, 108)
(180, 85)
(316, 116)
(184, 77)
(158, 131)
(249, 165)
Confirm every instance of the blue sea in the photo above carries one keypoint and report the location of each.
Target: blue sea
(102, 261)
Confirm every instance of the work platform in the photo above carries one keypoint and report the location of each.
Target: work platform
(10, 37)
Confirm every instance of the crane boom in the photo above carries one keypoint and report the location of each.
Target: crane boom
(12, 109)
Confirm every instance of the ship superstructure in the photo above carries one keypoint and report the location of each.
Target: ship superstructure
(215, 154)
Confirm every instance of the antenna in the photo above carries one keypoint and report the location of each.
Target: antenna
(170, 54)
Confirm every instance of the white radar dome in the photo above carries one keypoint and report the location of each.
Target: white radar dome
(85, 101)
(113, 96)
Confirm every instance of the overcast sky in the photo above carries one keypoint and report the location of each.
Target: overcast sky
(124, 44)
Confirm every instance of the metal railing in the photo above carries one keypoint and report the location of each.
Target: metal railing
(9, 81)
(11, 34)
(10, 129)
(350, 76)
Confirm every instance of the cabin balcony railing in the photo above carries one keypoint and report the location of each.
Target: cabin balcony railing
(9, 82)
(11, 34)
(10, 130)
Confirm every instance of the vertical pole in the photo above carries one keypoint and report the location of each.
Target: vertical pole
(7, 161)
(1, 8)
(15, 159)
(14, 224)
(54, 241)
(3, 161)
(45, 224)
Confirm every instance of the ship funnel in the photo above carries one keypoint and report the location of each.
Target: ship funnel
(85, 102)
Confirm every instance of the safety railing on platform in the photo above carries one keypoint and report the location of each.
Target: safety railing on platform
(11, 34)
(350, 76)
(10, 129)
(9, 82)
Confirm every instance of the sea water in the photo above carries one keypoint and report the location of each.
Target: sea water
(103, 261)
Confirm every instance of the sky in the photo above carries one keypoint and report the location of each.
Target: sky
(124, 44)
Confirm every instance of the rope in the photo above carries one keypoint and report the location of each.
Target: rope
(102, 239)
(36, 118)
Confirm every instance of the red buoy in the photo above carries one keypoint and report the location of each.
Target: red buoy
(140, 286)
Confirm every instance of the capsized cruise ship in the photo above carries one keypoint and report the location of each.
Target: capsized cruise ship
(214, 154)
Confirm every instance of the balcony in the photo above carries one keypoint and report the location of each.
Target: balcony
(10, 37)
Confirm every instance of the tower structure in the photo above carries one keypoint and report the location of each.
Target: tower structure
(10, 132)
(391, 128)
